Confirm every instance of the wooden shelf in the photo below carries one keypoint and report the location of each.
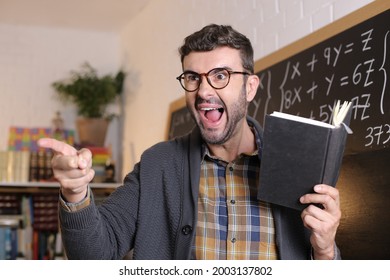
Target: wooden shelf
(52, 184)
(36, 187)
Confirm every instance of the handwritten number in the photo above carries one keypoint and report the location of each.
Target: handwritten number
(387, 132)
(377, 133)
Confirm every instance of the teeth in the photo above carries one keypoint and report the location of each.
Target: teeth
(209, 109)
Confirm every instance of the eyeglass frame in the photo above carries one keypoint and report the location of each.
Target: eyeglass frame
(230, 72)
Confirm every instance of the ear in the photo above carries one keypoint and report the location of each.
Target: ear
(251, 87)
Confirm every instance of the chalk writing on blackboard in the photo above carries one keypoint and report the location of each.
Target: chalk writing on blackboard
(352, 65)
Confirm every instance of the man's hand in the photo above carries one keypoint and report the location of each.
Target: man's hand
(324, 222)
(72, 168)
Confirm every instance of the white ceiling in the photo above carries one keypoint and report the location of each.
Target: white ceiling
(98, 15)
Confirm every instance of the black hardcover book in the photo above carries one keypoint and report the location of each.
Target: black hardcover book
(299, 153)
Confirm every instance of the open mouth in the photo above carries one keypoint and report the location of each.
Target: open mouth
(212, 114)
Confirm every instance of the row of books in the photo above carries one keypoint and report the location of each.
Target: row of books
(35, 166)
(29, 226)
(25, 166)
(38, 209)
(27, 244)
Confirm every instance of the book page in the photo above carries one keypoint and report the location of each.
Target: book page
(339, 113)
(301, 119)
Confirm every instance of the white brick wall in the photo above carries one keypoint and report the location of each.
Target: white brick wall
(31, 58)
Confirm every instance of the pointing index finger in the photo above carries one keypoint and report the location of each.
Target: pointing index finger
(57, 146)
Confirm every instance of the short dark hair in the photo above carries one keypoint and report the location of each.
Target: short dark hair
(213, 36)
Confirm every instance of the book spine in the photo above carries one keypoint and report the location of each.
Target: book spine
(33, 174)
(48, 169)
(41, 166)
(3, 166)
(9, 226)
(2, 243)
(25, 166)
(334, 157)
(10, 166)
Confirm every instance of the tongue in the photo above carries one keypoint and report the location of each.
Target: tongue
(213, 115)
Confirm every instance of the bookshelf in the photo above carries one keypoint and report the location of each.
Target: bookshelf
(29, 192)
(29, 219)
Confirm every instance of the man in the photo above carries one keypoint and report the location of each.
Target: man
(195, 197)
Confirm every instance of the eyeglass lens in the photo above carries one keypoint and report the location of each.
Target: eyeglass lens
(217, 78)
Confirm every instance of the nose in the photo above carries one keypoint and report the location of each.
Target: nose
(205, 90)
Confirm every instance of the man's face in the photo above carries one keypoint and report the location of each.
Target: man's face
(217, 112)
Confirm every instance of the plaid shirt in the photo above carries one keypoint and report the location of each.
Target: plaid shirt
(232, 223)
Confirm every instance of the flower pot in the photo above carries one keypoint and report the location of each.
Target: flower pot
(92, 132)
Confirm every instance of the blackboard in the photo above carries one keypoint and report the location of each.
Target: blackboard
(352, 65)
(180, 121)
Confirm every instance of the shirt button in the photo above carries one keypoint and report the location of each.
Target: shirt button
(233, 240)
(187, 229)
(231, 168)
(232, 201)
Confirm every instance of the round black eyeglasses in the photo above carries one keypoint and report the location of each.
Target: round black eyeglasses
(218, 78)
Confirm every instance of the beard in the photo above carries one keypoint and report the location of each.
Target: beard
(236, 113)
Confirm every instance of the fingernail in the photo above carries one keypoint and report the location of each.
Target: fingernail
(82, 163)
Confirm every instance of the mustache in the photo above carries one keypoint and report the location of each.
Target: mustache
(200, 100)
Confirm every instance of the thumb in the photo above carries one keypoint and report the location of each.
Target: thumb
(84, 158)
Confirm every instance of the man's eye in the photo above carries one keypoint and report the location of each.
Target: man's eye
(220, 76)
(191, 77)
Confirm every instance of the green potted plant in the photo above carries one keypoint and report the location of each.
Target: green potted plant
(91, 94)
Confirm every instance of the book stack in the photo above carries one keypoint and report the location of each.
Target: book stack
(100, 157)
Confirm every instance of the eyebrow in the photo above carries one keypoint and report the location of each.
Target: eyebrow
(220, 67)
